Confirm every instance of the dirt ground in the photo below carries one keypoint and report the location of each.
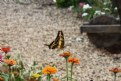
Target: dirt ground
(27, 27)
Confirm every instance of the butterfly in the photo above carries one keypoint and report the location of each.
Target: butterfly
(58, 42)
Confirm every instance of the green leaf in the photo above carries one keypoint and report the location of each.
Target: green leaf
(5, 76)
(18, 78)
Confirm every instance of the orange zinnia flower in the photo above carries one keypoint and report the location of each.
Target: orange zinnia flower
(65, 54)
(5, 49)
(49, 70)
(73, 60)
(115, 70)
(9, 61)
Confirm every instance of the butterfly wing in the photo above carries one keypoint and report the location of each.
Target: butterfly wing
(52, 45)
(58, 42)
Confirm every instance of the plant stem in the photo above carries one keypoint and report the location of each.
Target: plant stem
(5, 55)
(9, 68)
(115, 76)
(48, 77)
(39, 79)
(67, 68)
(71, 70)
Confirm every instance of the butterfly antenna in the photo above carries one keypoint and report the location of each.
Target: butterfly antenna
(46, 44)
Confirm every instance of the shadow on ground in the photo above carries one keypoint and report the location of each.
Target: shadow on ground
(115, 49)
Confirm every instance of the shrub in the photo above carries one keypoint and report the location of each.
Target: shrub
(89, 8)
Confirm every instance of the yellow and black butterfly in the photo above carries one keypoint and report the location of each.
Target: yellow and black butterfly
(58, 42)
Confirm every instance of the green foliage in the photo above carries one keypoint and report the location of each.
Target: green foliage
(98, 7)
(91, 8)
(5, 76)
(66, 3)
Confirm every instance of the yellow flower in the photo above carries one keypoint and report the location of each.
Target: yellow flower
(36, 75)
(49, 70)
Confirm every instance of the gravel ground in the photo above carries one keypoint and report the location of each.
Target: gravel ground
(26, 28)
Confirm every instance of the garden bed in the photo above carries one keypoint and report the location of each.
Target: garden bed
(26, 29)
